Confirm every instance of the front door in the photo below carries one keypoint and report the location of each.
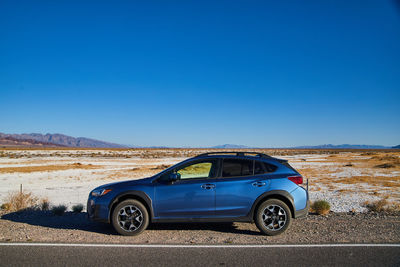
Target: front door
(191, 196)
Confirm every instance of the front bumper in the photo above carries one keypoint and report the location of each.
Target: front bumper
(97, 211)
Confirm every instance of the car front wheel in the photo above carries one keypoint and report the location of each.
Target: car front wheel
(130, 217)
(273, 217)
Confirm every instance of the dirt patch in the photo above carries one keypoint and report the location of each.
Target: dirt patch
(28, 169)
(375, 181)
(384, 166)
(161, 167)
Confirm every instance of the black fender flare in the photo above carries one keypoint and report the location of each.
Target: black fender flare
(132, 194)
(279, 194)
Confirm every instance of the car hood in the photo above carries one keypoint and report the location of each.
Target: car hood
(147, 180)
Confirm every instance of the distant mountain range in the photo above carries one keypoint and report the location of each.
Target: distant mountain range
(8, 141)
(328, 146)
(230, 146)
(345, 146)
(61, 140)
(52, 140)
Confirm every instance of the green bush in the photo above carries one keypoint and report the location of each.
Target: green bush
(77, 208)
(59, 210)
(321, 207)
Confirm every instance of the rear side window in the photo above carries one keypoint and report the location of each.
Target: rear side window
(237, 167)
(263, 167)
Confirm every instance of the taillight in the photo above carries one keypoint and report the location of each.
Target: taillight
(296, 179)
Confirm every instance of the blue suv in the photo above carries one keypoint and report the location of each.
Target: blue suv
(211, 187)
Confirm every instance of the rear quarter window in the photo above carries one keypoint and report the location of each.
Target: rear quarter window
(263, 167)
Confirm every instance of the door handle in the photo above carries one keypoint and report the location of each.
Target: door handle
(208, 186)
(259, 184)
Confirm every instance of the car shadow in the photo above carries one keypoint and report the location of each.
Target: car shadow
(68, 221)
(79, 221)
(224, 227)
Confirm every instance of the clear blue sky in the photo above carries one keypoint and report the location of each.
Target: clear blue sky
(199, 73)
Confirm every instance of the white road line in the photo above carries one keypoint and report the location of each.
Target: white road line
(195, 246)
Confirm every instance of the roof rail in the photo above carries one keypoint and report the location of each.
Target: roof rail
(238, 153)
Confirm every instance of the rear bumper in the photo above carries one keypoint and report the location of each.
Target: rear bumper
(303, 212)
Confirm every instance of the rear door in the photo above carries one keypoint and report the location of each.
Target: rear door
(240, 183)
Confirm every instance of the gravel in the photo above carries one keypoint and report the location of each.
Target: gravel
(343, 202)
(40, 226)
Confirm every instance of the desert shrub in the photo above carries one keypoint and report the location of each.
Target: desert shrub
(321, 207)
(17, 201)
(77, 208)
(6, 206)
(382, 205)
(377, 206)
(59, 210)
(44, 204)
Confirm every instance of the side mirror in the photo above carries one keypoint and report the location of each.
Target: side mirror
(174, 176)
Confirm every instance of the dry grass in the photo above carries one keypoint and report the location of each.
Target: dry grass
(314, 175)
(28, 169)
(371, 180)
(17, 201)
(346, 190)
(44, 204)
(364, 164)
(362, 160)
(383, 205)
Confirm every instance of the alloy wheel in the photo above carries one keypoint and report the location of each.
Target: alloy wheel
(274, 217)
(130, 218)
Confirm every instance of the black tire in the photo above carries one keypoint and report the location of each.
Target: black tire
(273, 217)
(130, 217)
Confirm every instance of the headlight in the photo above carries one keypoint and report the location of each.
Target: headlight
(100, 192)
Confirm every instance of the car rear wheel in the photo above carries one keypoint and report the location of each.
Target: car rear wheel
(130, 217)
(273, 217)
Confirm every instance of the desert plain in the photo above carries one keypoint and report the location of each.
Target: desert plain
(347, 179)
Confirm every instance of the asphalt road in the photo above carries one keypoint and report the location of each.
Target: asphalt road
(87, 255)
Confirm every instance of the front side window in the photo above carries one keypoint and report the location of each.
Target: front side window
(237, 167)
(197, 170)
